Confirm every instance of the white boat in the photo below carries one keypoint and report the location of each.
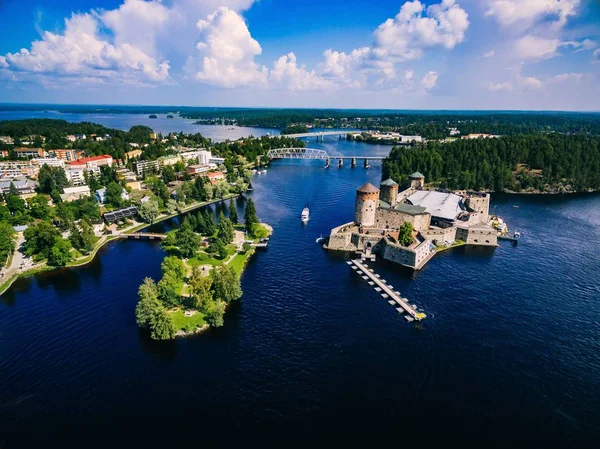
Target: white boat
(305, 215)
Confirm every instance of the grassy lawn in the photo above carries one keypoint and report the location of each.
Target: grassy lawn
(238, 262)
(187, 323)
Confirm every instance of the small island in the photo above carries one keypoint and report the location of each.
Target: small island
(152, 116)
(201, 274)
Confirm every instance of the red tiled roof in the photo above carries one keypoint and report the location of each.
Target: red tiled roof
(85, 160)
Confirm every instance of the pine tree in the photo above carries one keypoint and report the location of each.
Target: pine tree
(233, 215)
(250, 215)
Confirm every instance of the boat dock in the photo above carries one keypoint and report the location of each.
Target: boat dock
(386, 291)
(514, 240)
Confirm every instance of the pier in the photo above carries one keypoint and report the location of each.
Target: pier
(386, 291)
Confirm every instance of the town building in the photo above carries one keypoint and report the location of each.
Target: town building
(30, 152)
(142, 167)
(93, 162)
(438, 218)
(7, 140)
(133, 154)
(197, 169)
(479, 136)
(13, 169)
(76, 176)
(170, 159)
(66, 154)
(215, 176)
(101, 195)
(74, 193)
(49, 161)
(23, 185)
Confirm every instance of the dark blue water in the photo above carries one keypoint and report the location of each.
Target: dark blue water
(508, 356)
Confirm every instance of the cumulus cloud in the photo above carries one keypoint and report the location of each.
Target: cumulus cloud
(429, 81)
(286, 73)
(416, 28)
(489, 54)
(595, 56)
(137, 23)
(227, 52)
(533, 47)
(527, 12)
(499, 87)
(406, 37)
(81, 52)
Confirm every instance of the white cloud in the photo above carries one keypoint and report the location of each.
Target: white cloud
(532, 47)
(527, 12)
(137, 22)
(489, 54)
(499, 87)
(405, 37)
(416, 28)
(227, 51)
(429, 81)
(530, 82)
(287, 74)
(595, 56)
(82, 53)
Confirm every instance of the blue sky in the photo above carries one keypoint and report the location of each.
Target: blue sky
(438, 54)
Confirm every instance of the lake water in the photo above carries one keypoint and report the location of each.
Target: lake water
(161, 124)
(311, 355)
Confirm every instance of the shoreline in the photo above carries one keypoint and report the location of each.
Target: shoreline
(206, 326)
(90, 257)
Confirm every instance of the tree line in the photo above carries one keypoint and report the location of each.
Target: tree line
(553, 162)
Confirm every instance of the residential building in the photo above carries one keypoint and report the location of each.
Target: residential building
(23, 185)
(92, 162)
(217, 160)
(197, 169)
(49, 161)
(76, 176)
(66, 154)
(71, 138)
(101, 195)
(30, 152)
(189, 155)
(74, 193)
(7, 140)
(479, 136)
(133, 154)
(215, 176)
(142, 167)
(171, 159)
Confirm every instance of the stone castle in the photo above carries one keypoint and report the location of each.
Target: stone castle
(439, 219)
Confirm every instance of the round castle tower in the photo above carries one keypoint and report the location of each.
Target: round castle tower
(417, 180)
(389, 192)
(367, 201)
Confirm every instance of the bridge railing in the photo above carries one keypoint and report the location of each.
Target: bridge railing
(297, 153)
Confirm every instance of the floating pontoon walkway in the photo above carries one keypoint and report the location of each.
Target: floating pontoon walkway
(387, 291)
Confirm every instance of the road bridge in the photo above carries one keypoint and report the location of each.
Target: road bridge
(311, 153)
(143, 235)
(316, 134)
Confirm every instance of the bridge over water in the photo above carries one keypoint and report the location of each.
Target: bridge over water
(311, 153)
(316, 134)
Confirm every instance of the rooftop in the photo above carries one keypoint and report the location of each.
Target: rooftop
(417, 175)
(438, 204)
(389, 182)
(90, 159)
(368, 188)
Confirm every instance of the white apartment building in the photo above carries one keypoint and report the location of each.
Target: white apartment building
(49, 161)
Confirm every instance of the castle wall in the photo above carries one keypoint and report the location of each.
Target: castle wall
(486, 236)
(440, 235)
(393, 219)
(481, 205)
(410, 257)
(340, 238)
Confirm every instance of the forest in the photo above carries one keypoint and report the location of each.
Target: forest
(542, 163)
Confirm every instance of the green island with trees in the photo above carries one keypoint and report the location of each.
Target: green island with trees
(552, 163)
(200, 275)
(57, 233)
